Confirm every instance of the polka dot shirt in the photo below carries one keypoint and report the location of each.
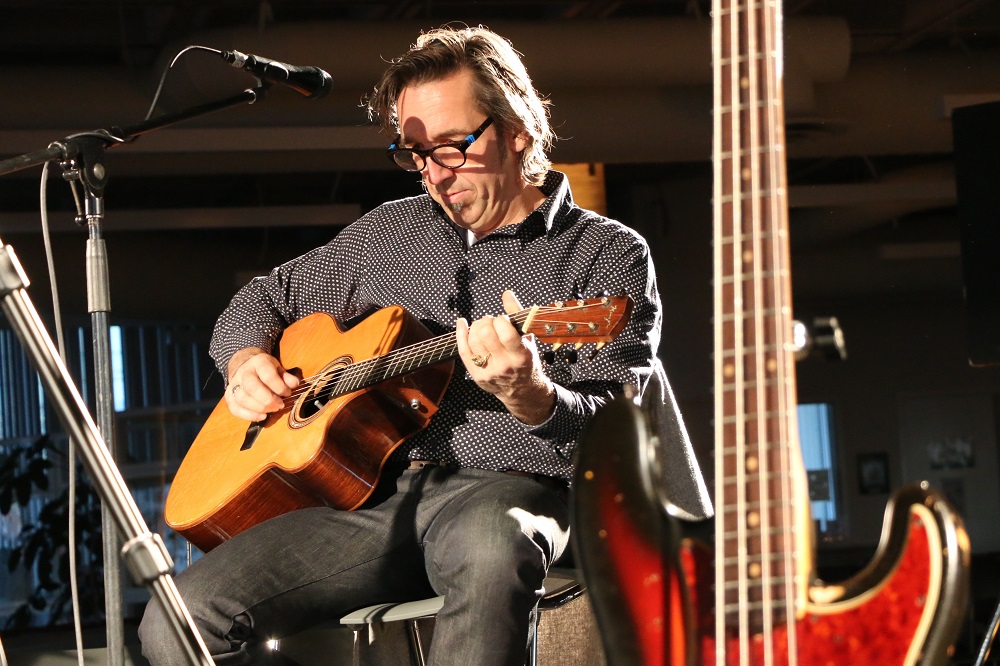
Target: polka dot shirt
(409, 253)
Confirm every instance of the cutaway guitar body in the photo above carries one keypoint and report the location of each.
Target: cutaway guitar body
(363, 391)
(323, 448)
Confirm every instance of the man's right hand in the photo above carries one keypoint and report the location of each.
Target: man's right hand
(258, 384)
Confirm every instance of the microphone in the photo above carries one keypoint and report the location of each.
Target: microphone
(312, 82)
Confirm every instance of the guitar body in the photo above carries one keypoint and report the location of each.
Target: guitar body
(362, 392)
(238, 474)
(652, 577)
(904, 608)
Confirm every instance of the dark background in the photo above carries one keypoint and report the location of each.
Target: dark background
(878, 223)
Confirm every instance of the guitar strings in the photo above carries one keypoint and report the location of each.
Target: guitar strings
(445, 345)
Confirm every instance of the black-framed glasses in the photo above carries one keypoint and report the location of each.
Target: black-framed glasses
(449, 155)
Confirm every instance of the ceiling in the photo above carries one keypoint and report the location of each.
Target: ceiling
(869, 91)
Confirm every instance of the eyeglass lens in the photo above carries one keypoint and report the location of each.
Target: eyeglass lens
(449, 157)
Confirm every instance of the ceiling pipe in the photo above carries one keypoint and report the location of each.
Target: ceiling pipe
(823, 213)
(885, 104)
(585, 55)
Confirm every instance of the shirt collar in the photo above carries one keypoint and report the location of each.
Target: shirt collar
(558, 199)
(558, 202)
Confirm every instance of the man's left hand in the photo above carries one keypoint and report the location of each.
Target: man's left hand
(505, 363)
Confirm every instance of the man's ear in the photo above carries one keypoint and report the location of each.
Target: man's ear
(518, 142)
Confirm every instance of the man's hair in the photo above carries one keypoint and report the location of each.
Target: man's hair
(501, 88)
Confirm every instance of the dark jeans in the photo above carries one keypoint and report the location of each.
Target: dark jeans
(483, 539)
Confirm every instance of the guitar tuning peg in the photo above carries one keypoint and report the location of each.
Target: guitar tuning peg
(597, 347)
(571, 356)
(549, 357)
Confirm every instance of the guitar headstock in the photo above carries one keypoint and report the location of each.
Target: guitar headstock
(576, 321)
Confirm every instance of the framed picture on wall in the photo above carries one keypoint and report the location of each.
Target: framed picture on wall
(873, 473)
(950, 441)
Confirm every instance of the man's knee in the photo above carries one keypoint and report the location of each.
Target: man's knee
(503, 540)
(159, 640)
(154, 634)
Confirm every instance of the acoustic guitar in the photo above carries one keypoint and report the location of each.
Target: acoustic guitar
(659, 593)
(363, 392)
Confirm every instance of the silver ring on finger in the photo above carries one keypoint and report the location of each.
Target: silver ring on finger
(236, 387)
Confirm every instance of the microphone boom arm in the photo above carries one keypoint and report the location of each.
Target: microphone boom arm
(70, 147)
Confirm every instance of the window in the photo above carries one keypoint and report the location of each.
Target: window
(159, 373)
(816, 438)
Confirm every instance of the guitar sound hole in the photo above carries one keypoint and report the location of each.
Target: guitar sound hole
(312, 406)
(314, 401)
(322, 388)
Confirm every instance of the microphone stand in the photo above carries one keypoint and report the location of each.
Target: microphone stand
(82, 158)
(144, 553)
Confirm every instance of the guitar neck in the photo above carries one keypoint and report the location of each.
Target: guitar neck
(397, 362)
(578, 322)
(762, 564)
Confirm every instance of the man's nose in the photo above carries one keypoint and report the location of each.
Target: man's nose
(435, 173)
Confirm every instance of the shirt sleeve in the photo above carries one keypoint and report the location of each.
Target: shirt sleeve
(323, 279)
(623, 266)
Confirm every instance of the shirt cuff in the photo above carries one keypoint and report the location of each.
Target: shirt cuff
(566, 420)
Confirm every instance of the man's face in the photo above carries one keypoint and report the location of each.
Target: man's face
(487, 191)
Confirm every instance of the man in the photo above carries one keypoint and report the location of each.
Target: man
(474, 506)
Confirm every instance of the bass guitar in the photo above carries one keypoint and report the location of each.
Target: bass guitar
(659, 593)
(363, 392)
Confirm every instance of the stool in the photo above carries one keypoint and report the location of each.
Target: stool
(561, 587)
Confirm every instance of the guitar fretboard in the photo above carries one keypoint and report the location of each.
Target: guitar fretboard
(757, 572)
(577, 322)
(398, 362)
